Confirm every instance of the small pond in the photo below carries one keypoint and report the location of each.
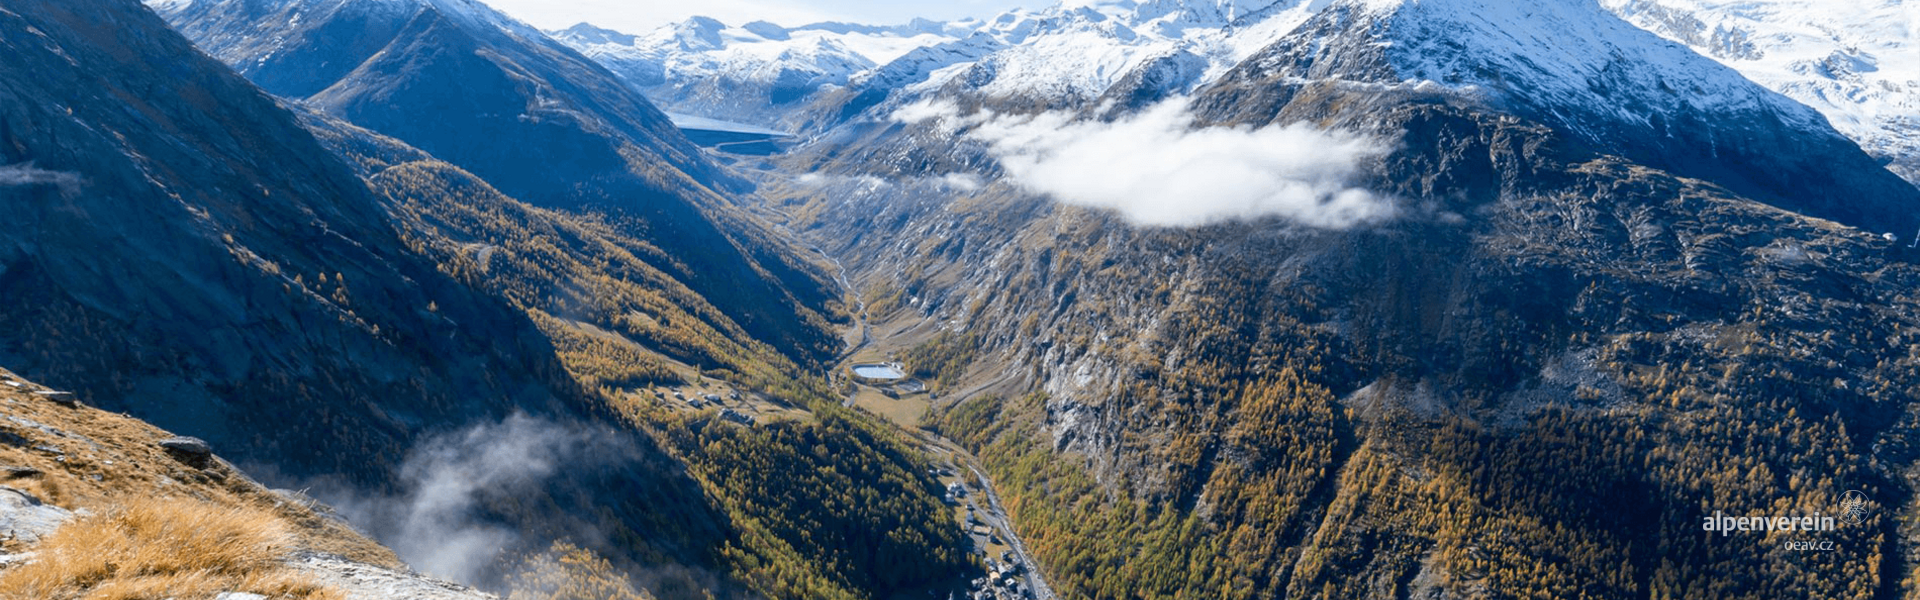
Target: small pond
(878, 372)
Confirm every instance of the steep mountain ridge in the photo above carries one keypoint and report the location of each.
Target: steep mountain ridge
(750, 73)
(1855, 62)
(200, 261)
(1573, 65)
(703, 67)
(245, 271)
(619, 321)
(1569, 64)
(540, 122)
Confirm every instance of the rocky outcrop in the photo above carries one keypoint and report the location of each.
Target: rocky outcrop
(361, 581)
(189, 446)
(93, 462)
(25, 519)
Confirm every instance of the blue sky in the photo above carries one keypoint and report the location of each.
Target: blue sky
(637, 16)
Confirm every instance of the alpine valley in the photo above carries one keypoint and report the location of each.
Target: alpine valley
(1111, 299)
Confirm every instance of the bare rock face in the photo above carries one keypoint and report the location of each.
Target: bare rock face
(190, 446)
(26, 519)
(362, 581)
(191, 451)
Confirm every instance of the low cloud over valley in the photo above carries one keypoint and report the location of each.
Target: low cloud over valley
(1155, 168)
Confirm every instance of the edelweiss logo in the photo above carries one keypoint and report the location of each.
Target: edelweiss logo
(1853, 507)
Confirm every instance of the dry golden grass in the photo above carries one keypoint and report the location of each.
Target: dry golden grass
(103, 458)
(156, 549)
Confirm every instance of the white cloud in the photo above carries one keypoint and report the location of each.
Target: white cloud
(817, 180)
(436, 521)
(25, 174)
(960, 182)
(965, 182)
(1155, 168)
(928, 110)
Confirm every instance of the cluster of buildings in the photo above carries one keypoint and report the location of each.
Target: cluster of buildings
(736, 416)
(1003, 581)
(702, 401)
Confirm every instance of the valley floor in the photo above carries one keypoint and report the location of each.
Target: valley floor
(1011, 570)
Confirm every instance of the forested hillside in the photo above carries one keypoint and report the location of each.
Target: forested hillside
(1536, 383)
(831, 505)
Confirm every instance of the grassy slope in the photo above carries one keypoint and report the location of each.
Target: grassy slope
(156, 524)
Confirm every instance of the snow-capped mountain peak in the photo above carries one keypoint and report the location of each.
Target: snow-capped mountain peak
(1852, 60)
(699, 33)
(1575, 67)
(1557, 53)
(587, 33)
(1076, 48)
(1855, 61)
(1081, 49)
(744, 73)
